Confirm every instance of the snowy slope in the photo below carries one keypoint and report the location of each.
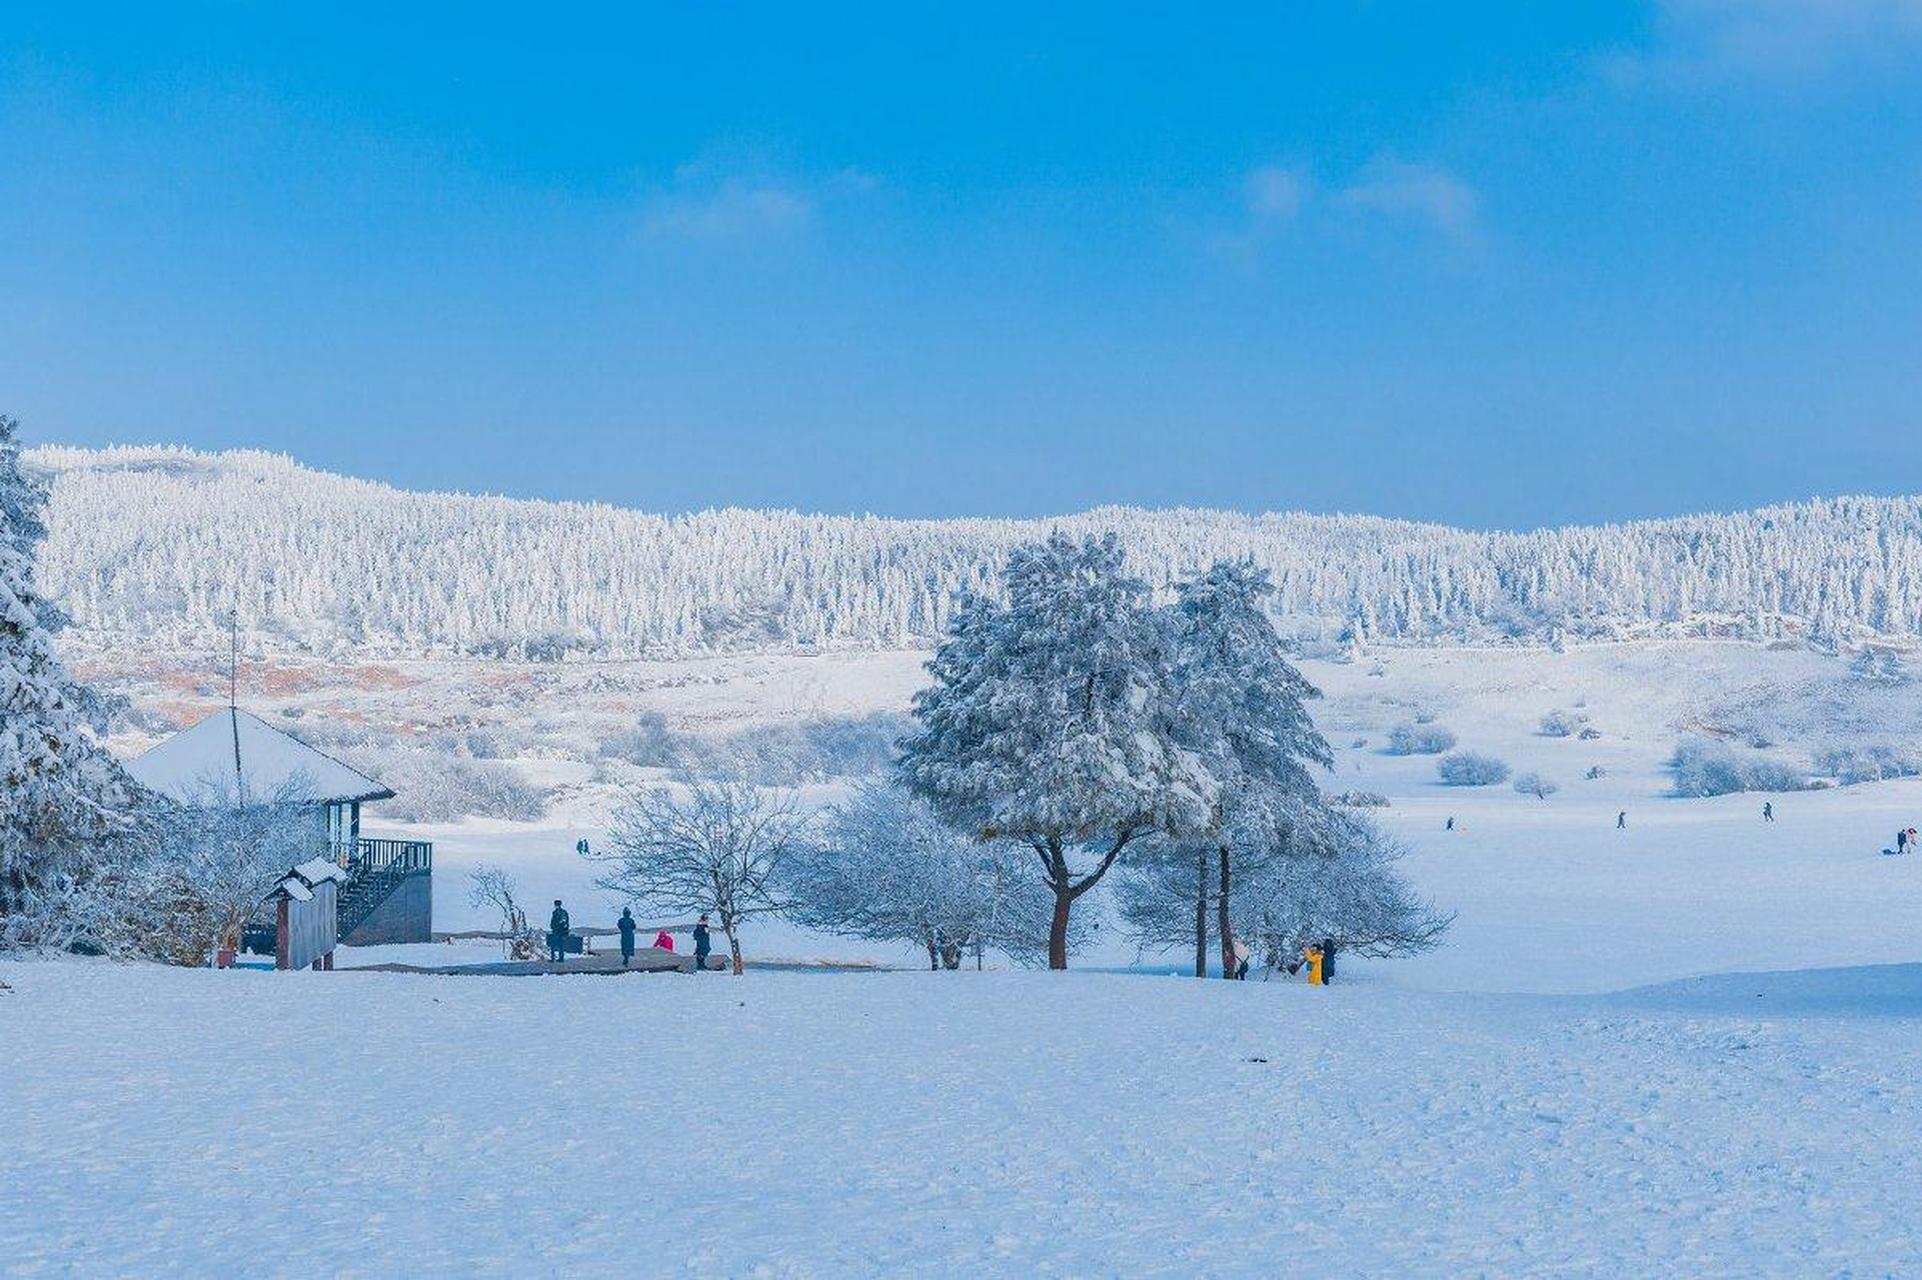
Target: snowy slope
(1551, 897)
(998, 1124)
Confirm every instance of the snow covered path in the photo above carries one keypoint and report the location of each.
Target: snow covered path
(189, 1122)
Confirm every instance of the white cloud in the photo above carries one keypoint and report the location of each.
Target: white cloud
(735, 209)
(1277, 201)
(1713, 40)
(1417, 192)
(707, 201)
(1275, 194)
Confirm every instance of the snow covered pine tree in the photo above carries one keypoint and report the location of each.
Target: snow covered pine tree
(1049, 721)
(61, 795)
(1240, 706)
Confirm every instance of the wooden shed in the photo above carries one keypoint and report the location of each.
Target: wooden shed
(306, 909)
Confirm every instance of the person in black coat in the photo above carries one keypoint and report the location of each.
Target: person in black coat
(626, 926)
(703, 943)
(1327, 961)
(558, 927)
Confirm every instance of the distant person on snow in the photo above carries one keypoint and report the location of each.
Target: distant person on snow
(664, 940)
(1768, 811)
(1241, 960)
(558, 926)
(1450, 824)
(703, 943)
(626, 926)
(1621, 820)
(1901, 842)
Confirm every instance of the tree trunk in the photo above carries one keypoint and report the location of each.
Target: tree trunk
(1201, 913)
(1058, 927)
(1228, 964)
(1067, 889)
(733, 945)
(934, 957)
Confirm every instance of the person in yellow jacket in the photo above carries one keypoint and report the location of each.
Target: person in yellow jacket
(1312, 958)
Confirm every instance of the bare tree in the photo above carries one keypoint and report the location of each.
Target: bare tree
(1338, 883)
(216, 860)
(705, 844)
(491, 886)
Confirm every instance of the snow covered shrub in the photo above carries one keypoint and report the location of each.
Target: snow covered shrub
(1879, 665)
(1775, 775)
(650, 744)
(1703, 767)
(1589, 733)
(1534, 784)
(1470, 769)
(1706, 769)
(1562, 724)
(1850, 765)
(1336, 882)
(888, 869)
(786, 755)
(1595, 771)
(773, 755)
(1419, 740)
(1360, 800)
(433, 787)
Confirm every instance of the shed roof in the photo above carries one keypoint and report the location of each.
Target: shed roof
(232, 746)
(300, 883)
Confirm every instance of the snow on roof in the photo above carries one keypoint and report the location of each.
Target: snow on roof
(314, 870)
(294, 888)
(200, 761)
(300, 883)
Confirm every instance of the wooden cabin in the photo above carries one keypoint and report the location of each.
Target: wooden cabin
(387, 893)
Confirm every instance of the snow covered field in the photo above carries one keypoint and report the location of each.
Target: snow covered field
(1522, 1101)
(183, 1122)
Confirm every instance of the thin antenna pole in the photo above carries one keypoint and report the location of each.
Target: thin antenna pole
(233, 696)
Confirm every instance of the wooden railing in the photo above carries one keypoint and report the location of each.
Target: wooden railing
(372, 856)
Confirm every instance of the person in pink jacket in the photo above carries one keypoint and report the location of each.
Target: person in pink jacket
(664, 940)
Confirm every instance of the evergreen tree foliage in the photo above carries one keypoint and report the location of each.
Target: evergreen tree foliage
(62, 797)
(160, 544)
(1241, 706)
(1050, 721)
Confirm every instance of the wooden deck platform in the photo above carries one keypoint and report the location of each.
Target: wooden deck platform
(646, 960)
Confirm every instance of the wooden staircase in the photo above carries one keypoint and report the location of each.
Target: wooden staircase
(374, 870)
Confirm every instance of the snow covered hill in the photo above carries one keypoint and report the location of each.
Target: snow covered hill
(158, 544)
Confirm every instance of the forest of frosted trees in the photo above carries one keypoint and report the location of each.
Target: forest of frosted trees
(161, 543)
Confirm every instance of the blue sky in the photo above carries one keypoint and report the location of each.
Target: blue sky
(1496, 265)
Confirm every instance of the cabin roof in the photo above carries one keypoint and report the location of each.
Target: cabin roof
(201, 764)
